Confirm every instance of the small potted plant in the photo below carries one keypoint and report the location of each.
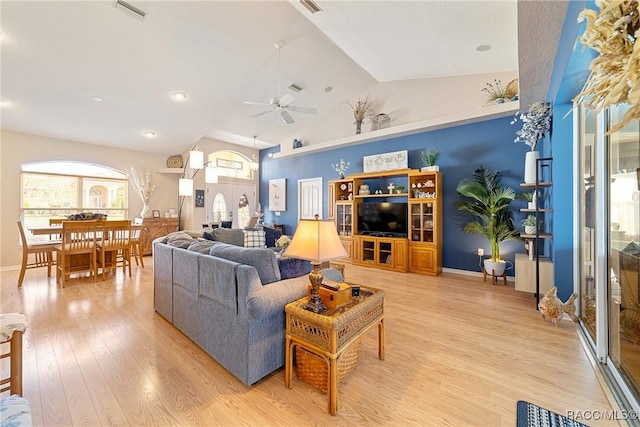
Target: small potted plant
(429, 158)
(399, 189)
(531, 225)
(530, 198)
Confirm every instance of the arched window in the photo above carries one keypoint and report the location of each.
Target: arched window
(231, 164)
(58, 189)
(219, 209)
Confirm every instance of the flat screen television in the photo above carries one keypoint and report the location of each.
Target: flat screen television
(383, 219)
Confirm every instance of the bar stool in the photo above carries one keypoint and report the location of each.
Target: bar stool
(12, 326)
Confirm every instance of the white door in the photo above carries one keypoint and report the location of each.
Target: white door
(240, 201)
(309, 198)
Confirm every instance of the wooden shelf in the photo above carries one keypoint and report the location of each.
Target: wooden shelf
(365, 196)
(533, 210)
(533, 236)
(533, 184)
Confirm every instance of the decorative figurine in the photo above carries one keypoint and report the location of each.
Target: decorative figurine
(550, 306)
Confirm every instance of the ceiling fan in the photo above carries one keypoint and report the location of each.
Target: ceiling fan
(281, 104)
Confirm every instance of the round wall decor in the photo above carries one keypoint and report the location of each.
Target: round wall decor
(174, 161)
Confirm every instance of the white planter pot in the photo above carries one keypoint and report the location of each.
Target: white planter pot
(434, 168)
(530, 229)
(531, 205)
(530, 165)
(495, 268)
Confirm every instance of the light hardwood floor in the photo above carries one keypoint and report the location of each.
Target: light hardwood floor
(459, 352)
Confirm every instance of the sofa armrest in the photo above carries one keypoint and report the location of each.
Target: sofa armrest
(272, 298)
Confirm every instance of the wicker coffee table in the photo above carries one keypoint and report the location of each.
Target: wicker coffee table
(332, 334)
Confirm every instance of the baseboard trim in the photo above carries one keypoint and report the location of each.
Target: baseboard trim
(471, 273)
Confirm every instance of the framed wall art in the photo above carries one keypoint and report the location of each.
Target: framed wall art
(199, 198)
(278, 195)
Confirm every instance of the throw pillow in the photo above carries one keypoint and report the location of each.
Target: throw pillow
(209, 236)
(254, 239)
(270, 236)
(232, 236)
(293, 267)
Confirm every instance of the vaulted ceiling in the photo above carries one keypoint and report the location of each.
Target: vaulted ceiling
(58, 57)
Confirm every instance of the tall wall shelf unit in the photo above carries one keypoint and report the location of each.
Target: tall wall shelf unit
(543, 265)
(420, 249)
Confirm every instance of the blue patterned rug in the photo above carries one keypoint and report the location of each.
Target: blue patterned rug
(530, 415)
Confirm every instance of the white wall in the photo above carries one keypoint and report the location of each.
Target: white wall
(17, 149)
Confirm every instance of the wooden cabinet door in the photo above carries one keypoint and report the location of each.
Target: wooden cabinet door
(423, 259)
(400, 255)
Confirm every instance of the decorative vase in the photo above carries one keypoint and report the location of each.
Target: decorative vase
(146, 211)
(530, 166)
(358, 127)
(341, 175)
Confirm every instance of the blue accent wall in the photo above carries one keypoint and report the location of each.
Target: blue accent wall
(463, 149)
(571, 70)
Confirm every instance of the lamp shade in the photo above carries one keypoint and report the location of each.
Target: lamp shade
(196, 159)
(185, 187)
(210, 175)
(316, 241)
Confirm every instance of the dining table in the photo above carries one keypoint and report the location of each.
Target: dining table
(55, 229)
(76, 260)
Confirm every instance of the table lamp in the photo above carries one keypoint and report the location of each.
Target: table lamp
(316, 240)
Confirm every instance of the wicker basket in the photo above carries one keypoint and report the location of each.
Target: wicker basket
(314, 370)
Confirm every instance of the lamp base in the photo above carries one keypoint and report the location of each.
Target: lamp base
(315, 303)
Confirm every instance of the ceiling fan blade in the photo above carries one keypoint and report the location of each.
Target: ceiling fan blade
(256, 103)
(286, 117)
(262, 113)
(307, 110)
(286, 100)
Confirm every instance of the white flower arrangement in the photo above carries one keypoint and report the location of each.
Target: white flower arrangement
(341, 167)
(283, 241)
(143, 184)
(536, 124)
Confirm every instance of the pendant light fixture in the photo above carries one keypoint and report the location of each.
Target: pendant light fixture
(254, 165)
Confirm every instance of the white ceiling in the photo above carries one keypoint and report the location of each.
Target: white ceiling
(58, 55)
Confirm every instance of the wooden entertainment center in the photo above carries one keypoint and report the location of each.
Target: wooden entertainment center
(416, 247)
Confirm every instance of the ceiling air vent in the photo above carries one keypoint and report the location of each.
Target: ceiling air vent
(311, 6)
(129, 9)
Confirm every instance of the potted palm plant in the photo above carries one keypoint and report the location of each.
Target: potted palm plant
(487, 203)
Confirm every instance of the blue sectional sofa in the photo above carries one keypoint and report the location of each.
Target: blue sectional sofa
(228, 299)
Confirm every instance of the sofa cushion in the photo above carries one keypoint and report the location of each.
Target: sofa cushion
(264, 260)
(201, 246)
(253, 238)
(232, 236)
(293, 267)
(270, 236)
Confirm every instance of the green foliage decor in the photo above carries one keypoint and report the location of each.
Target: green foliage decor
(487, 203)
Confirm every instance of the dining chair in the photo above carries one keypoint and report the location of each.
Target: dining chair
(77, 252)
(12, 327)
(115, 243)
(42, 254)
(135, 238)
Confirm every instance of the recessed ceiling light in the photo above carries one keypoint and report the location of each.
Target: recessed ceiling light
(483, 48)
(97, 99)
(179, 96)
(3, 102)
(150, 134)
